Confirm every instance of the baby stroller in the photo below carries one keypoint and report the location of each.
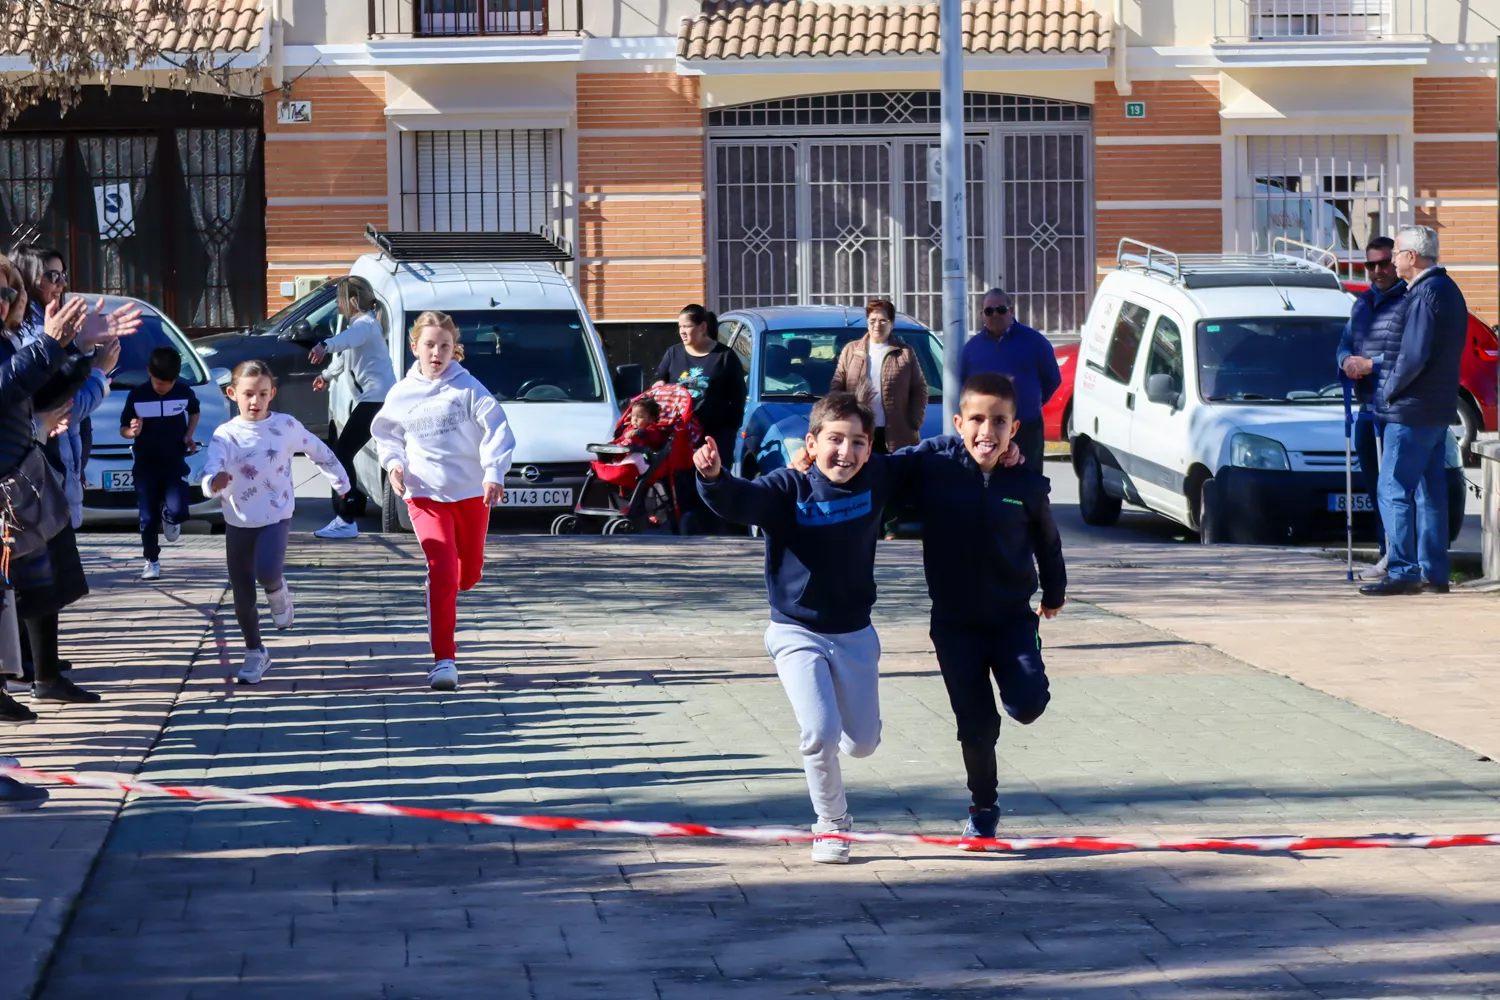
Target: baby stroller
(628, 499)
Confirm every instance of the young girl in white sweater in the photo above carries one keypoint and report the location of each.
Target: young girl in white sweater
(249, 468)
(445, 446)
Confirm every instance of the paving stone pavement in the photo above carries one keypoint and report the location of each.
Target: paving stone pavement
(627, 679)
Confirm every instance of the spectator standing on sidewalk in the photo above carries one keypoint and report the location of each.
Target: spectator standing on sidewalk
(1415, 400)
(1015, 349)
(1373, 332)
(898, 389)
(367, 377)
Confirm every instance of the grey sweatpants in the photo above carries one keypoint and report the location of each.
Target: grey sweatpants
(833, 683)
(255, 556)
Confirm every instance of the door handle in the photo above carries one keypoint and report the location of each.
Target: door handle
(1130, 401)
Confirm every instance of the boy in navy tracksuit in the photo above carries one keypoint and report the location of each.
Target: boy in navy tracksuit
(985, 530)
(161, 415)
(820, 530)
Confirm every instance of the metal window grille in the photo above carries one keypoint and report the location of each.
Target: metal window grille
(1335, 192)
(482, 181)
(891, 108)
(834, 217)
(483, 17)
(1263, 20)
(28, 179)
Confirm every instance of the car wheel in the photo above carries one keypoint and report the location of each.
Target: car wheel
(1096, 506)
(390, 511)
(1067, 427)
(1210, 514)
(1467, 430)
(565, 524)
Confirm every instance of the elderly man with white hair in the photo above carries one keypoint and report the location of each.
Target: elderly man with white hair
(1415, 401)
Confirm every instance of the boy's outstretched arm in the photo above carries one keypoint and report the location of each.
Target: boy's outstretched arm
(1047, 544)
(762, 503)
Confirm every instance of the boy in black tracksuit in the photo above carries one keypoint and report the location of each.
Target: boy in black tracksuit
(985, 530)
(160, 416)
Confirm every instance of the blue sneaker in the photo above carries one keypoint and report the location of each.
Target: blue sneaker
(982, 823)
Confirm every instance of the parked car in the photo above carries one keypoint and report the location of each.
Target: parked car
(108, 481)
(527, 336)
(1476, 381)
(789, 354)
(283, 342)
(1057, 415)
(1204, 392)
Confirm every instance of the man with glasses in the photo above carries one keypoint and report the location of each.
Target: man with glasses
(1015, 349)
(1415, 400)
(1374, 328)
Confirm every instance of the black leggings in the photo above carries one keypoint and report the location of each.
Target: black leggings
(255, 556)
(348, 443)
(41, 633)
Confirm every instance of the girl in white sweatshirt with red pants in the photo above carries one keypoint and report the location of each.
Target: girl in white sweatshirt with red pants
(445, 446)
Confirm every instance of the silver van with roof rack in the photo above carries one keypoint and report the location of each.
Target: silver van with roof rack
(1206, 391)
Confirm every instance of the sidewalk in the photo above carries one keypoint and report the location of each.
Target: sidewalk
(628, 679)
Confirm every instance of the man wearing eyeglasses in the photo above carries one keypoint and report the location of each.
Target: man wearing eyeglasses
(1374, 328)
(1015, 349)
(1415, 401)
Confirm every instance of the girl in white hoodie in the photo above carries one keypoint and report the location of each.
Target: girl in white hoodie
(445, 447)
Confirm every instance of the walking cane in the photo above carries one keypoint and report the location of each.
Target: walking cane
(1348, 478)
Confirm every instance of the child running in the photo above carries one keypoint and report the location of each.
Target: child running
(161, 416)
(445, 446)
(249, 468)
(820, 529)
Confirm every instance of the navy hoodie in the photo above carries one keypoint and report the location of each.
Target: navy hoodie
(820, 539)
(982, 540)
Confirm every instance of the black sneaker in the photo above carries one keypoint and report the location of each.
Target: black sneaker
(17, 797)
(13, 713)
(1389, 588)
(62, 690)
(1428, 587)
(982, 823)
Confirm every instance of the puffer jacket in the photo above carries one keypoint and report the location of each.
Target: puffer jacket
(1374, 332)
(1419, 386)
(903, 387)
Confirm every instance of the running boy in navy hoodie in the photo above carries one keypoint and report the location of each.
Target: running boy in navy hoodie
(986, 528)
(161, 415)
(820, 530)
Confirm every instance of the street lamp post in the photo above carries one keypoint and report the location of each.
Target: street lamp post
(955, 295)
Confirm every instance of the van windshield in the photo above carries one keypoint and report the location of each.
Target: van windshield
(539, 355)
(1278, 360)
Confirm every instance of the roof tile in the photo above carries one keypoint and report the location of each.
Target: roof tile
(209, 26)
(745, 29)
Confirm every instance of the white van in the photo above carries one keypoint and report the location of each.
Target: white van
(526, 335)
(1206, 390)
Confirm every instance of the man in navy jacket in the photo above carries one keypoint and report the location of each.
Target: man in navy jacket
(1015, 349)
(1416, 401)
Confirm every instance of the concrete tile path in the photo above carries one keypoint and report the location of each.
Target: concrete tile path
(627, 679)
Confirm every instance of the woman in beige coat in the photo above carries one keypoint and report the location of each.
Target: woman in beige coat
(890, 368)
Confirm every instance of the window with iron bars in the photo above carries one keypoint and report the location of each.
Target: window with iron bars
(482, 180)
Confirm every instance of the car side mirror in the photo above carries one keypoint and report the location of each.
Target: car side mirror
(300, 332)
(630, 382)
(1162, 388)
(222, 376)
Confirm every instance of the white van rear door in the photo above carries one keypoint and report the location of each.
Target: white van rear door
(1109, 377)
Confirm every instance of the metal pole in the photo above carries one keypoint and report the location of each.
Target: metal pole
(955, 294)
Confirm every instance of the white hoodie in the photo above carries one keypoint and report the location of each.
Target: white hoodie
(448, 435)
(257, 454)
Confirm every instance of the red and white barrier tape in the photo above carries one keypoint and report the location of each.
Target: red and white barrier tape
(563, 824)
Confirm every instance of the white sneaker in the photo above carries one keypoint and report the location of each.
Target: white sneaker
(443, 676)
(827, 850)
(282, 609)
(338, 528)
(257, 662)
(151, 571)
(171, 532)
(1378, 571)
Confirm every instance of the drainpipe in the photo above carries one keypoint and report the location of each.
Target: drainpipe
(278, 48)
(1122, 73)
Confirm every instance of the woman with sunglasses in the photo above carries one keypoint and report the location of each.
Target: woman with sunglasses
(1015, 349)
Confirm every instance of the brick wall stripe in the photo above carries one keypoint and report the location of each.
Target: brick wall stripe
(1126, 206)
(1456, 202)
(1156, 140)
(635, 133)
(617, 259)
(324, 136)
(1453, 137)
(642, 196)
(308, 202)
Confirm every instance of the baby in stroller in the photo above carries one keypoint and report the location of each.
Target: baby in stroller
(644, 433)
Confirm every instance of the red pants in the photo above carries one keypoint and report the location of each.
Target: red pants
(452, 537)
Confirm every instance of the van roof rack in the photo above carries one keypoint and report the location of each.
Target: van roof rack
(1226, 270)
(541, 246)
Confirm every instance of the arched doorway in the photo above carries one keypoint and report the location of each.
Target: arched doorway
(834, 198)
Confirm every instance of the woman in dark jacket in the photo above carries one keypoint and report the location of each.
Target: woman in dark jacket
(37, 377)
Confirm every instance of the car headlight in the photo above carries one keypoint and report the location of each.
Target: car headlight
(206, 352)
(1251, 451)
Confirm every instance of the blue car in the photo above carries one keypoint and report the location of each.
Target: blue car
(789, 353)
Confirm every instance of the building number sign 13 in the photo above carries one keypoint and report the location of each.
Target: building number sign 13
(1135, 109)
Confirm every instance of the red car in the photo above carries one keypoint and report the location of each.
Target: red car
(1057, 415)
(1476, 379)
